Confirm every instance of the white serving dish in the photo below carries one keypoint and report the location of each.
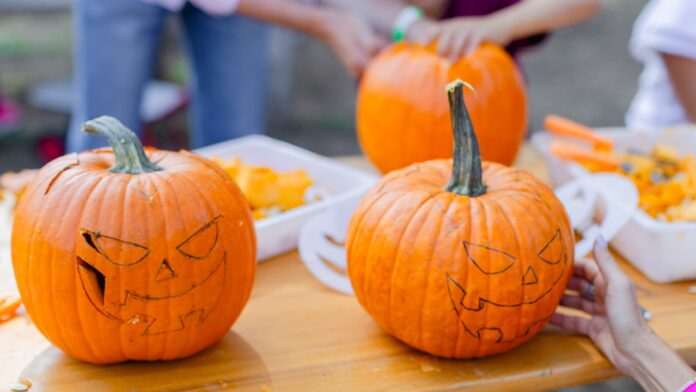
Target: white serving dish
(279, 233)
(663, 251)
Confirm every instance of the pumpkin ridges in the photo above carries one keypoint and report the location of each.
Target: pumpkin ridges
(56, 228)
(109, 203)
(25, 245)
(76, 204)
(101, 184)
(118, 203)
(159, 211)
(476, 235)
(518, 250)
(541, 218)
(189, 341)
(428, 277)
(248, 267)
(458, 271)
(359, 215)
(375, 253)
(417, 219)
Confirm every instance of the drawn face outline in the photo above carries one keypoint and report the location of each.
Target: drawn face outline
(455, 289)
(104, 246)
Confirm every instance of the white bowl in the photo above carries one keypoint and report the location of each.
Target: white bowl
(279, 233)
(663, 251)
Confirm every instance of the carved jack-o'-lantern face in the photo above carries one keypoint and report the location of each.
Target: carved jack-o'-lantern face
(107, 267)
(125, 255)
(522, 282)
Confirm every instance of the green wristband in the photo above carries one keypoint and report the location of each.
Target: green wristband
(406, 18)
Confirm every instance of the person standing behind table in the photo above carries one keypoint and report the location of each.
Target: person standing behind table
(116, 43)
(460, 26)
(664, 40)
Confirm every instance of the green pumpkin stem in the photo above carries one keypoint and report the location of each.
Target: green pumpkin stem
(467, 175)
(129, 154)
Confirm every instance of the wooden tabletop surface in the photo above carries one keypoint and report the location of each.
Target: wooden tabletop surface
(296, 334)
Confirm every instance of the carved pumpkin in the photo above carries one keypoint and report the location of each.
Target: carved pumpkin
(118, 258)
(466, 268)
(403, 118)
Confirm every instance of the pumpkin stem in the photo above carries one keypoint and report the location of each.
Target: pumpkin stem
(129, 154)
(467, 175)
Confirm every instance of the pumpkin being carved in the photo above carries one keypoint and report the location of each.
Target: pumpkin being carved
(403, 117)
(462, 262)
(118, 258)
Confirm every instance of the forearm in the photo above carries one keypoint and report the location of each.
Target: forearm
(433, 8)
(531, 17)
(682, 71)
(657, 367)
(379, 13)
(287, 13)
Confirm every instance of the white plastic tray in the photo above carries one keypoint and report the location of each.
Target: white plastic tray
(278, 234)
(663, 251)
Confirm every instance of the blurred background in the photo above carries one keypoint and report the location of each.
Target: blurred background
(583, 72)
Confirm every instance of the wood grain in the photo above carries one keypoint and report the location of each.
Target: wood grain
(297, 335)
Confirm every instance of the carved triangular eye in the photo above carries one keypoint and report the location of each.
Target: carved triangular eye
(489, 260)
(201, 243)
(115, 250)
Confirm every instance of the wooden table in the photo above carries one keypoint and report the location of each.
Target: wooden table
(296, 334)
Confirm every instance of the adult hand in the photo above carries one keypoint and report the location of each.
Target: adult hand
(460, 36)
(616, 325)
(352, 39)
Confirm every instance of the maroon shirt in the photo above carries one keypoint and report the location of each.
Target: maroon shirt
(458, 8)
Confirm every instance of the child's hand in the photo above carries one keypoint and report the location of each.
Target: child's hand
(460, 36)
(352, 39)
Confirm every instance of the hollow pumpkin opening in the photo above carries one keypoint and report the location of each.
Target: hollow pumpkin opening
(94, 281)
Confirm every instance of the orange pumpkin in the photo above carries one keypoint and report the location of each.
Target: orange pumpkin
(118, 258)
(402, 116)
(466, 268)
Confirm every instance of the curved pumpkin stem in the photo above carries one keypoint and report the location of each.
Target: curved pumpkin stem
(128, 151)
(467, 175)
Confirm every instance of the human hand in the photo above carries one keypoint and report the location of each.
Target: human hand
(616, 324)
(460, 36)
(608, 296)
(352, 39)
(423, 31)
